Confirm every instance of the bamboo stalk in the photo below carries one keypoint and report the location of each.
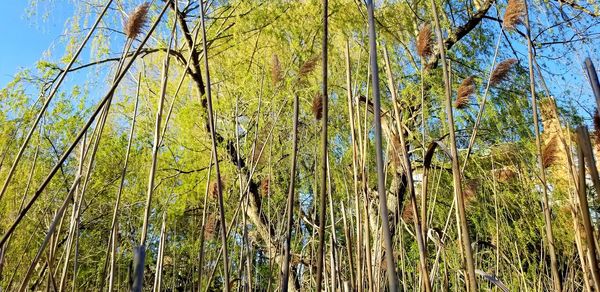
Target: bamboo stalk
(584, 208)
(211, 122)
(547, 216)
(471, 281)
(113, 239)
(324, 147)
(419, 231)
(290, 202)
(383, 210)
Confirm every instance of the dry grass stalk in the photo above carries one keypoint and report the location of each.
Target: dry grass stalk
(550, 153)
(317, 106)
(465, 90)
(515, 12)
(136, 21)
(597, 129)
(501, 73)
(276, 73)
(424, 42)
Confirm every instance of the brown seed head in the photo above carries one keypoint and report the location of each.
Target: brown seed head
(550, 153)
(515, 12)
(276, 74)
(501, 72)
(465, 90)
(424, 42)
(317, 106)
(210, 226)
(136, 20)
(308, 66)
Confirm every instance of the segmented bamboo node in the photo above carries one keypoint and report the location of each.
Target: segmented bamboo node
(514, 15)
(465, 90)
(425, 42)
(501, 72)
(136, 20)
(317, 106)
(550, 153)
(276, 74)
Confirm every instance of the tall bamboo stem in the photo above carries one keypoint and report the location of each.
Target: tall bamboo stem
(323, 192)
(456, 173)
(546, 208)
(211, 122)
(383, 210)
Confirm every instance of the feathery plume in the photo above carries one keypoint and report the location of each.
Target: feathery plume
(211, 226)
(550, 153)
(424, 42)
(317, 106)
(515, 12)
(308, 66)
(276, 74)
(501, 71)
(136, 20)
(465, 90)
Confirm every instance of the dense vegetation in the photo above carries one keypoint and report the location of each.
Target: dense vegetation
(134, 143)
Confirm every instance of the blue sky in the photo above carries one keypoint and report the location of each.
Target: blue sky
(26, 36)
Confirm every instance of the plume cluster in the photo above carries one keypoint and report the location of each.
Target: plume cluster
(424, 42)
(276, 74)
(515, 12)
(136, 20)
(465, 90)
(550, 153)
(317, 106)
(501, 72)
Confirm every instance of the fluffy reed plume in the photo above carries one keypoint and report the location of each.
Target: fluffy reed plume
(501, 72)
(213, 190)
(407, 214)
(265, 186)
(550, 153)
(515, 12)
(308, 66)
(317, 106)
(276, 74)
(465, 90)
(597, 129)
(211, 226)
(424, 42)
(136, 20)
